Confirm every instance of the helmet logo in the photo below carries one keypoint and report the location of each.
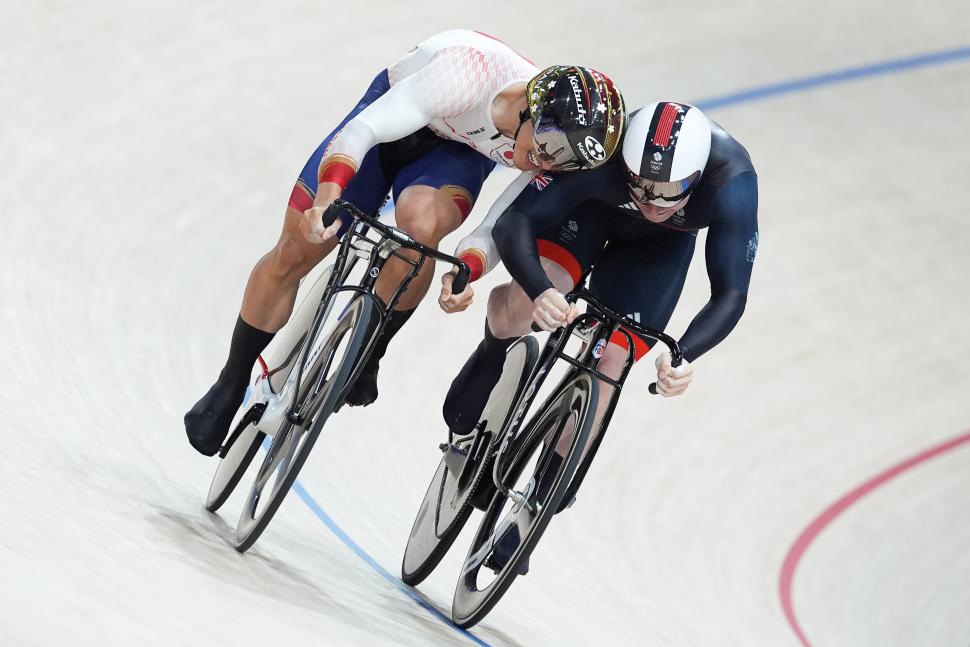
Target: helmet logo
(594, 149)
(578, 94)
(657, 157)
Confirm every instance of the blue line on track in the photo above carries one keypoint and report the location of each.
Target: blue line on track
(831, 78)
(354, 546)
(745, 96)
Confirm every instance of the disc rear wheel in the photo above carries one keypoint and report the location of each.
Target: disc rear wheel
(330, 362)
(464, 470)
(537, 484)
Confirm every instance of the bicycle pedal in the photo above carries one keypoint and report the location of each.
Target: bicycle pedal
(444, 447)
(455, 459)
(251, 417)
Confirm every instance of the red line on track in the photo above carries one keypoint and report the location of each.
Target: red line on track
(815, 528)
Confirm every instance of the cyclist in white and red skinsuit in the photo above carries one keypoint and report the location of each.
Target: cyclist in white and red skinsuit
(430, 127)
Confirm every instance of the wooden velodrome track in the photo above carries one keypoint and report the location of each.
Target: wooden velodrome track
(810, 489)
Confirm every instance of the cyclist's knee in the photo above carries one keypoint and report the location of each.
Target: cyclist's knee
(509, 311)
(426, 214)
(290, 260)
(611, 364)
(561, 279)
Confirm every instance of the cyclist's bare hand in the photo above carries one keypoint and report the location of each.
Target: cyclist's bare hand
(312, 225)
(673, 381)
(454, 302)
(551, 310)
(312, 222)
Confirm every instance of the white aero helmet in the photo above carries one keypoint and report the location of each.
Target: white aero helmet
(665, 150)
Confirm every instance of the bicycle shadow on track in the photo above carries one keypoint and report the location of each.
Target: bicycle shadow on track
(207, 543)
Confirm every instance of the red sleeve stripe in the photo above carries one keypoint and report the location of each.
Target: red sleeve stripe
(337, 172)
(476, 265)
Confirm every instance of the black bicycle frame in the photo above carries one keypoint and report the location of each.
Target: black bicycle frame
(600, 322)
(387, 244)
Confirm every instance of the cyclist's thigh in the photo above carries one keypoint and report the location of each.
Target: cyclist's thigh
(576, 241)
(643, 278)
(457, 170)
(368, 188)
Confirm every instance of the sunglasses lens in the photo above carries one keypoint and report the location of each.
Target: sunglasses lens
(661, 194)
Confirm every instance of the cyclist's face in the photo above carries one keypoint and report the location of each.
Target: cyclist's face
(657, 214)
(525, 155)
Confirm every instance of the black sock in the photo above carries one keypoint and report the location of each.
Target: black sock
(395, 321)
(469, 391)
(247, 343)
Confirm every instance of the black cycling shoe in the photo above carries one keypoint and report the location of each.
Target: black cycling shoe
(207, 423)
(503, 551)
(364, 390)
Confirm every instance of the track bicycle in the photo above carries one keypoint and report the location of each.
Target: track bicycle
(306, 376)
(522, 463)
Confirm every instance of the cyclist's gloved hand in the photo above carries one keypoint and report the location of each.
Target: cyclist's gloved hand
(552, 311)
(673, 381)
(454, 302)
(312, 222)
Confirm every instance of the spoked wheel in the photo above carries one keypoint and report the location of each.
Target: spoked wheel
(237, 460)
(538, 484)
(465, 464)
(332, 358)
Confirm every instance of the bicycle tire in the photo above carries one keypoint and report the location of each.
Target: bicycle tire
(447, 504)
(354, 321)
(576, 395)
(231, 468)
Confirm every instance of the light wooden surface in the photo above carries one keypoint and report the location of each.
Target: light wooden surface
(146, 154)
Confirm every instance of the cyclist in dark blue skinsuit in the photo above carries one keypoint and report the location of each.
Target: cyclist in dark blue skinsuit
(637, 219)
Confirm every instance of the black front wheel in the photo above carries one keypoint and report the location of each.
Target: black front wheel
(537, 483)
(232, 467)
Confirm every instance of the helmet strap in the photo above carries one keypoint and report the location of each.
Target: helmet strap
(523, 117)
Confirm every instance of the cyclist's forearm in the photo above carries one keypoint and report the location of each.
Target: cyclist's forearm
(713, 323)
(327, 192)
(515, 238)
(478, 249)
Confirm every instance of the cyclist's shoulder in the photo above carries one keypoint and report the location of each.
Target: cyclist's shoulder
(728, 190)
(547, 191)
(462, 54)
(589, 184)
(468, 39)
(728, 158)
